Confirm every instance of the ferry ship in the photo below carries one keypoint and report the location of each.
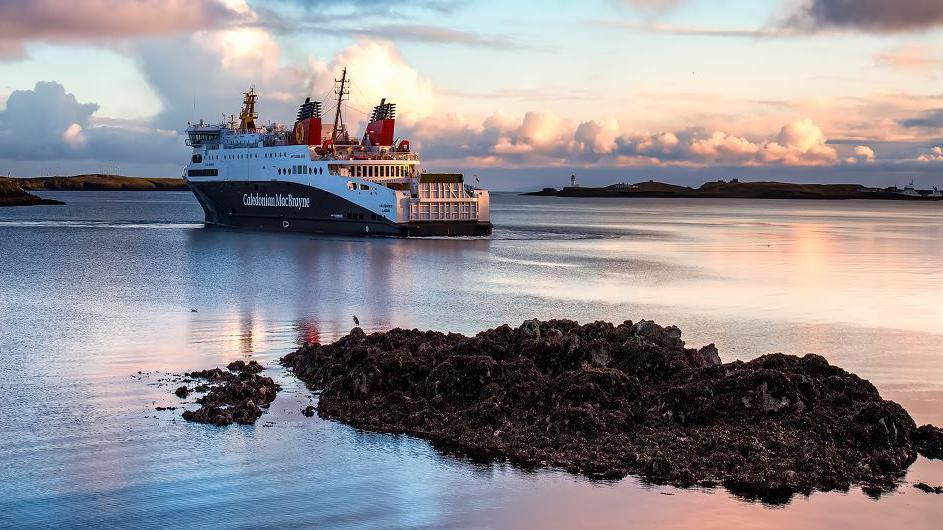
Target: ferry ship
(315, 178)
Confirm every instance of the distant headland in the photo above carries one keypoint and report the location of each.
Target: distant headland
(99, 182)
(12, 194)
(734, 189)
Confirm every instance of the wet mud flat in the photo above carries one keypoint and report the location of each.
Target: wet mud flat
(607, 401)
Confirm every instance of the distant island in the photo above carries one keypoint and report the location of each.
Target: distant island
(12, 194)
(734, 189)
(99, 182)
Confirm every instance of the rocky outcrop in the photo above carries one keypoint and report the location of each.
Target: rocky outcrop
(610, 400)
(237, 395)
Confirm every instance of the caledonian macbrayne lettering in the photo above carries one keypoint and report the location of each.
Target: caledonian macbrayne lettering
(277, 200)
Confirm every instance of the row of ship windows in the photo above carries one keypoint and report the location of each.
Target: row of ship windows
(378, 171)
(301, 170)
(355, 171)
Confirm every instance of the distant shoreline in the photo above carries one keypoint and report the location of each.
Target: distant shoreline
(98, 182)
(743, 190)
(12, 194)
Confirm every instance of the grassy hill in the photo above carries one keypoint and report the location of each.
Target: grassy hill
(734, 190)
(98, 182)
(11, 194)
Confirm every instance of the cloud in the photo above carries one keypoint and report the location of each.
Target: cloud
(90, 20)
(651, 5)
(377, 70)
(376, 7)
(935, 154)
(35, 122)
(106, 20)
(204, 75)
(426, 33)
(912, 58)
(47, 123)
(541, 138)
(219, 65)
(701, 31)
(861, 153)
(879, 16)
(930, 119)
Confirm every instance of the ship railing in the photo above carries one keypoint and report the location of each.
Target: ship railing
(373, 156)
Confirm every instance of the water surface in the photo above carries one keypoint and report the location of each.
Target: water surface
(102, 298)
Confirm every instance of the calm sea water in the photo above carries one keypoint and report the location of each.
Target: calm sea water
(96, 302)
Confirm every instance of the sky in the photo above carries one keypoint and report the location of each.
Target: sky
(523, 93)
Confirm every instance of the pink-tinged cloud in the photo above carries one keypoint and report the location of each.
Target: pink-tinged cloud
(541, 138)
(934, 154)
(912, 58)
(23, 21)
(865, 153)
(229, 60)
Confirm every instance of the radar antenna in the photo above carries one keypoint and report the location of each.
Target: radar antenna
(342, 90)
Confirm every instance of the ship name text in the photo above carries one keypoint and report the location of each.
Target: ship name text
(276, 201)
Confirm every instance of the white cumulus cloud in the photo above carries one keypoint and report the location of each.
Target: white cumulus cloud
(935, 154)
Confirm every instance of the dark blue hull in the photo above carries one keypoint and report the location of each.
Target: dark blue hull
(224, 206)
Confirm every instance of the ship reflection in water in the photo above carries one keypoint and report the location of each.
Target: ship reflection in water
(104, 287)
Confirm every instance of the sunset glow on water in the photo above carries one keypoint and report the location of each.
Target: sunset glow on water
(855, 283)
(739, 202)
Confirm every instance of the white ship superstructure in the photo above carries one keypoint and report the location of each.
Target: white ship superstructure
(315, 178)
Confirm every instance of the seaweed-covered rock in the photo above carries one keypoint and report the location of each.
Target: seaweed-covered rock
(929, 440)
(238, 395)
(926, 488)
(240, 366)
(610, 400)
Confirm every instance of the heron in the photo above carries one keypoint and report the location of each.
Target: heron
(356, 321)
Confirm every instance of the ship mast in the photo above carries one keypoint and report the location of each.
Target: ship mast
(248, 115)
(341, 90)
